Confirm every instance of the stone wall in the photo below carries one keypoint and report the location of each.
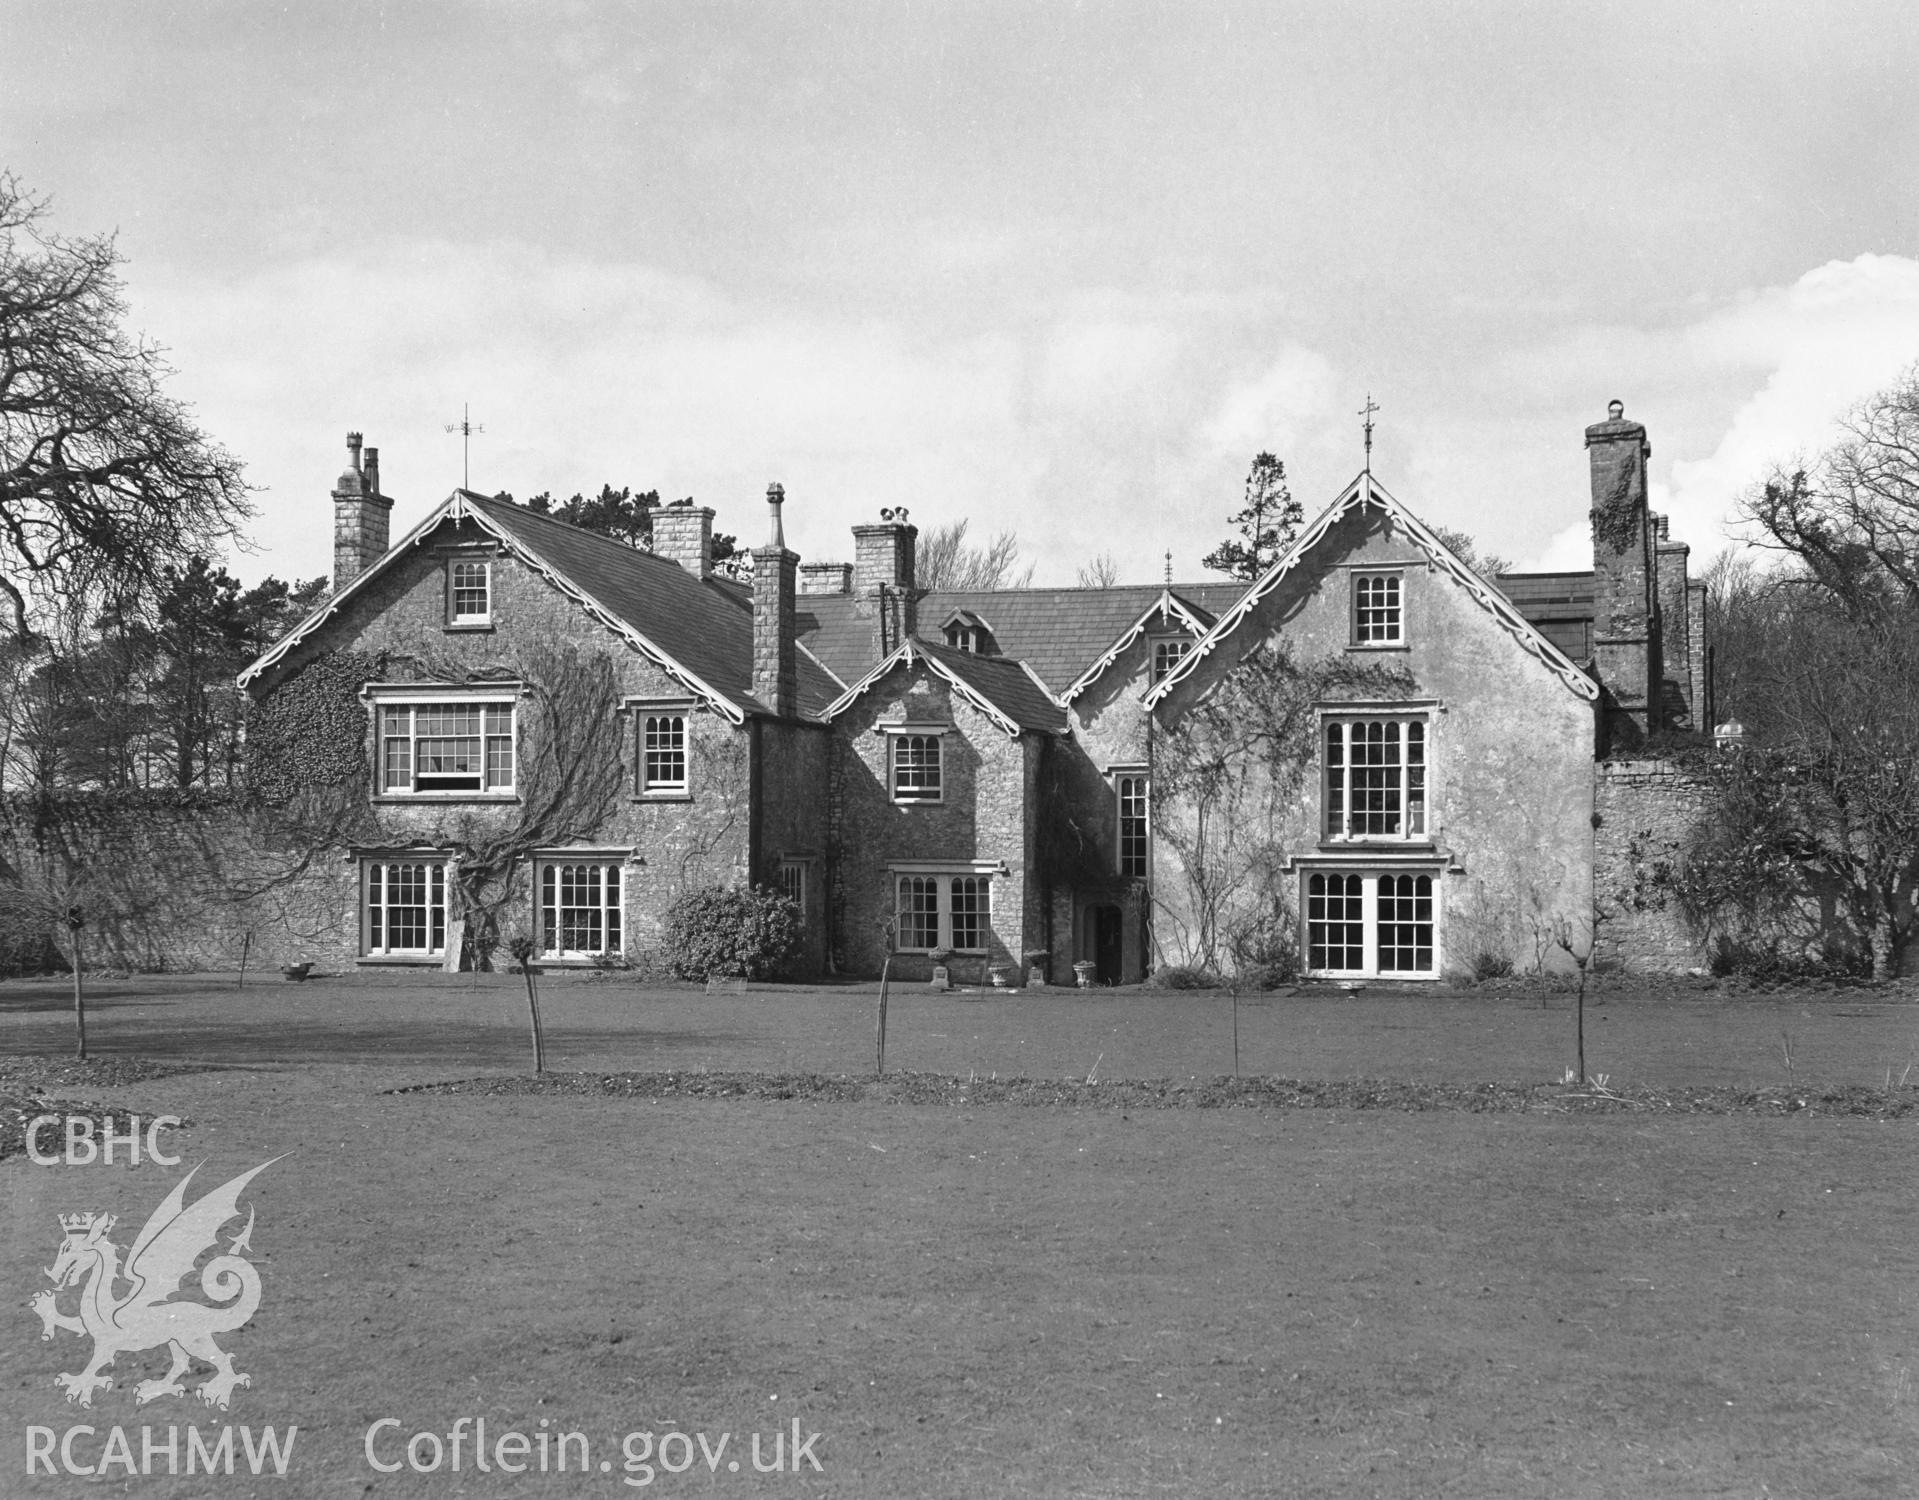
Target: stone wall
(1643, 811)
(177, 882)
(986, 777)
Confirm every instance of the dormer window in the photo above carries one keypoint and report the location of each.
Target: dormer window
(469, 592)
(966, 631)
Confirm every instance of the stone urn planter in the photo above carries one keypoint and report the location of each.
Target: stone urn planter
(942, 975)
(1083, 972)
(1036, 963)
(999, 974)
(296, 973)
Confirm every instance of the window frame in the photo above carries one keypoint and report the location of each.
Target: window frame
(1415, 783)
(1359, 576)
(611, 909)
(795, 867)
(897, 735)
(454, 619)
(1123, 776)
(433, 910)
(1372, 923)
(383, 699)
(662, 791)
(946, 911)
(1164, 645)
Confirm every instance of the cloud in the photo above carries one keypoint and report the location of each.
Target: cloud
(1279, 409)
(1736, 389)
(1839, 333)
(1081, 424)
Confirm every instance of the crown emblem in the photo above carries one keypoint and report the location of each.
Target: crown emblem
(81, 1223)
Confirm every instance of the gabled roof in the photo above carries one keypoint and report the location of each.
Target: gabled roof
(699, 633)
(1003, 689)
(1169, 608)
(1058, 632)
(1362, 493)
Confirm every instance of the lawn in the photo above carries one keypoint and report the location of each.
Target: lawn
(1100, 1298)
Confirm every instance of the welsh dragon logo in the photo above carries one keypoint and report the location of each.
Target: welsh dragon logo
(145, 1315)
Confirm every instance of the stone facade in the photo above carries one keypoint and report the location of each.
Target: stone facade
(668, 729)
(981, 824)
(1509, 757)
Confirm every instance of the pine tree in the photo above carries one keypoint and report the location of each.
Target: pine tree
(1269, 521)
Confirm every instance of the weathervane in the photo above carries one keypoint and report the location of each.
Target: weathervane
(466, 429)
(1367, 411)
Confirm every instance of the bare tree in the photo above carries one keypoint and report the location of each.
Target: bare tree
(945, 562)
(1101, 573)
(104, 479)
(1825, 807)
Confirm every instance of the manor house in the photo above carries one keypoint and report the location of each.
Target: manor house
(502, 725)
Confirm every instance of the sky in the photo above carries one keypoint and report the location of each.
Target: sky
(1060, 269)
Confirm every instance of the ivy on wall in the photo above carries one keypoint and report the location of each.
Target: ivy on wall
(311, 729)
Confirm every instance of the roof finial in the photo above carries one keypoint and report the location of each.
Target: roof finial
(1169, 567)
(1367, 411)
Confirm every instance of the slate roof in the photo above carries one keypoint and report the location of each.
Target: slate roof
(1058, 632)
(1003, 688)
(703, 628)
(1558, 605)
(1004, 683)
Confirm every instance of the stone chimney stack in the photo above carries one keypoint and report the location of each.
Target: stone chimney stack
(884, 584)
(684, 533)
(1679, 688)
(775, 629)
(1626, 654)
(362, 516)
(826, 578)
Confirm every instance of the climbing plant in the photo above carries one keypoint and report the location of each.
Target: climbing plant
(1229, 774)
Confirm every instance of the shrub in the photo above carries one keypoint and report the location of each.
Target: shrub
(1764, 962)
(1263, 977)
(750, 933)
(26, 948)
(1184, 977)
(1491, 966)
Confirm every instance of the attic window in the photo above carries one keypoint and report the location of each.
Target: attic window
(1379, 617)
(1168, 653)
(469, 592)
(962, 637)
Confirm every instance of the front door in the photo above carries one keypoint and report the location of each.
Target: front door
(1109, 929)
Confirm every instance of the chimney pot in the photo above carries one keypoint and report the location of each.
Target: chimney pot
(775, 497)
(1615, 411)
(362, 516)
